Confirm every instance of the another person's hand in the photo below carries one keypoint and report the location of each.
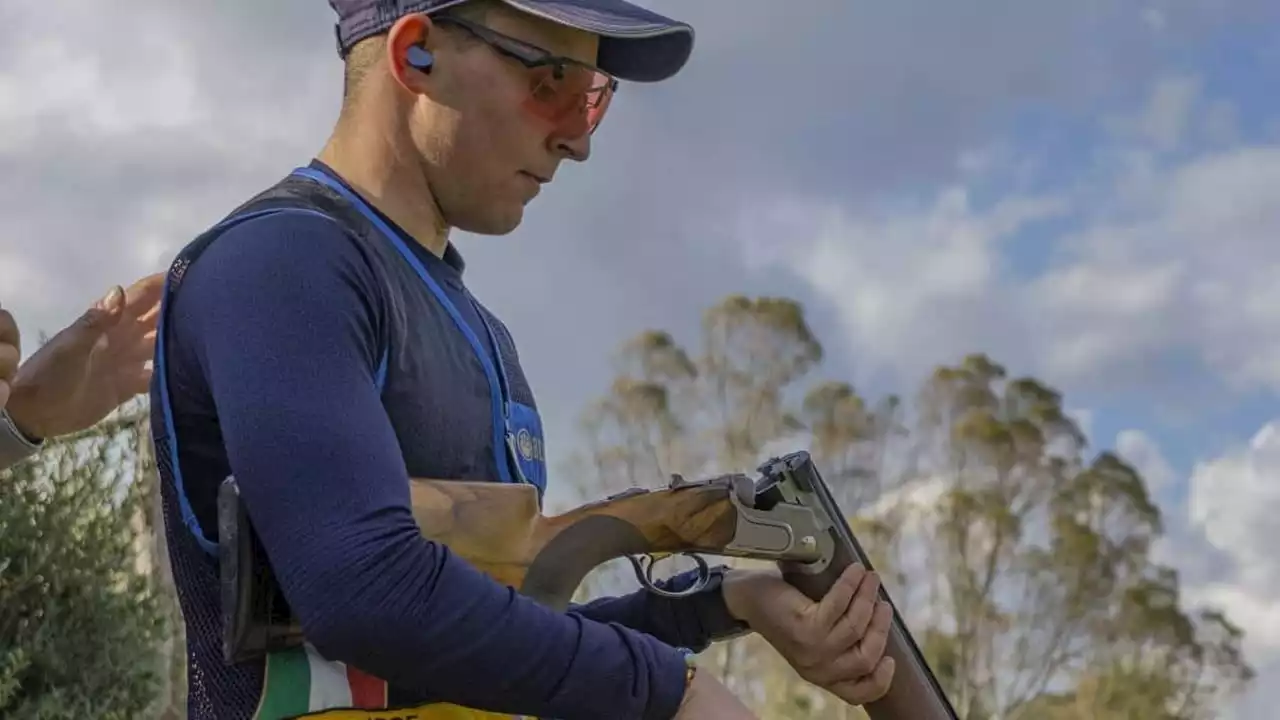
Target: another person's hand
(837, 644)
(90, 367)
(10, 354)
(708, 699)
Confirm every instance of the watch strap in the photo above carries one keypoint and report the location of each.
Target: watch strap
(14, 445)
(714, 614)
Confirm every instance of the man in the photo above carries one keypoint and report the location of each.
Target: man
(81, 374)
(321, 346)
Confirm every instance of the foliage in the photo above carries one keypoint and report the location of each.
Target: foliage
(80, 615)
(1022, 563)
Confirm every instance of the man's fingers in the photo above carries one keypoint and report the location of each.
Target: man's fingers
(859, 658)
(93, 322)
(143, 296)
(9, 330)
(868, 688)
(112, 303)
(833, 605)
(876, 637)
(149, 317)
(10, 356)
(850, 628)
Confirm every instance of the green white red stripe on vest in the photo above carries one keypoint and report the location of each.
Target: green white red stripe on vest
(299, 681)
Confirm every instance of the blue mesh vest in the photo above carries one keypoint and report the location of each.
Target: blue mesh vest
(479, 395)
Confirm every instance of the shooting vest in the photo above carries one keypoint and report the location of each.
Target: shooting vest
(299, 683)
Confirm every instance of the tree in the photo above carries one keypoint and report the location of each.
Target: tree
(1022, 564)
(81, 615)
(1043, 573)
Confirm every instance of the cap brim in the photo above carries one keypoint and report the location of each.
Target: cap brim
(636, 44)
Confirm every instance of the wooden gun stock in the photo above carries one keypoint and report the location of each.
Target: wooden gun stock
(499, 529)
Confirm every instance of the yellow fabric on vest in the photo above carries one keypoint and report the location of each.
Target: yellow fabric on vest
(434, 711)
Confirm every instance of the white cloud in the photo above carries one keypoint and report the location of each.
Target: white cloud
(1225, 547)
(1158, 261)
(912, 285)
(1235, 500)
(1217, 537)
(104, 86)
(1197, 273)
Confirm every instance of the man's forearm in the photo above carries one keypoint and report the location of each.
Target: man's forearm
(692, 622)
(14, 446)
(427, 621)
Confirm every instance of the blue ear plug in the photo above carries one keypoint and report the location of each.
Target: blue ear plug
(419, 58)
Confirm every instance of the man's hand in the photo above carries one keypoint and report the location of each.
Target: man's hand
(837, 644)
(708, 699)
(90, 367)
(10, 354)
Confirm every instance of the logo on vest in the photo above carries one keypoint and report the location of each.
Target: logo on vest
(529, 445)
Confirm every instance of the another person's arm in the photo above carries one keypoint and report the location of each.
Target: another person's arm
(14, 446)
(282, 314)
(79, 376)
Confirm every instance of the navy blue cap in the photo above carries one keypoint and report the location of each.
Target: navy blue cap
(635, 44)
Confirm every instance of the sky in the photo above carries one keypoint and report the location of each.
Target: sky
(1087, 191)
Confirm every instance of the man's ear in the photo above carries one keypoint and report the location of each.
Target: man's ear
(409, 43)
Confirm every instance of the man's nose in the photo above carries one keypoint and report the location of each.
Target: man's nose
(573, 148)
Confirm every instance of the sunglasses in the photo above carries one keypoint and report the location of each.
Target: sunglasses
(570, 94)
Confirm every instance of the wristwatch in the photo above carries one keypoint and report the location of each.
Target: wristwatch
(690, 666)
(14, 445)
(715, 617)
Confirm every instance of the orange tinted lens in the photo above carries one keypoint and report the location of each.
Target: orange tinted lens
(575, 102)
(598, 98)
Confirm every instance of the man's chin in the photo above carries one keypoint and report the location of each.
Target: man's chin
(501, 222)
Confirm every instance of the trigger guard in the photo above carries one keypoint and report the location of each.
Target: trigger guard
(644, 573)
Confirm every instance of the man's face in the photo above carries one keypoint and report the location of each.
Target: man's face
(491, 153)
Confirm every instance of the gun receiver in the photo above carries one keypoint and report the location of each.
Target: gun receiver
(788, 515)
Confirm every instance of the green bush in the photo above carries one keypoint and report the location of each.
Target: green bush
(81, 619)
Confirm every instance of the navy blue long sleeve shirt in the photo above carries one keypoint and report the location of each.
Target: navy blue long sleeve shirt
(272, 356)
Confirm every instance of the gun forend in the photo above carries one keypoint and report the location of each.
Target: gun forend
(915, 692)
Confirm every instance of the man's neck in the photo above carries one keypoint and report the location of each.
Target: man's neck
(368, 162)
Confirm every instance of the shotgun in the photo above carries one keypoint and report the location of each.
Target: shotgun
(787, 515)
